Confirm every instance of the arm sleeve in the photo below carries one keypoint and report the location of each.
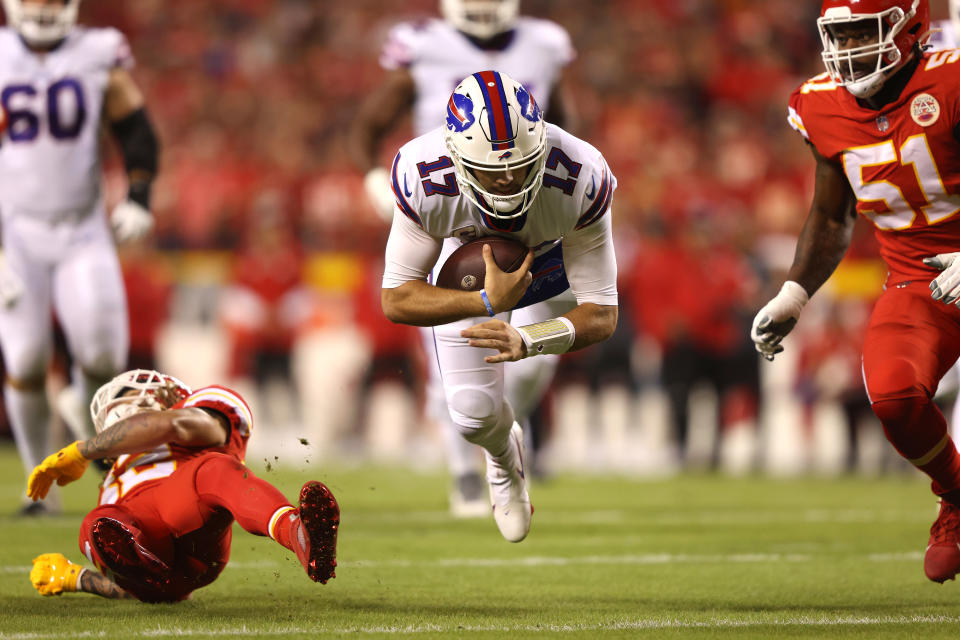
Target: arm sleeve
(591, 263)
(411, 252)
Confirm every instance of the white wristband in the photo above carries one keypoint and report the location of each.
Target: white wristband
(550, 336)
(795, 292)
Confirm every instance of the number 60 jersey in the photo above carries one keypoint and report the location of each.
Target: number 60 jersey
(49, 154)
(567, 226)
(902, 162)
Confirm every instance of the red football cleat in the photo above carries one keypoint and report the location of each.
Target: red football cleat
(942, 560)
(315, 534)
(126, 557)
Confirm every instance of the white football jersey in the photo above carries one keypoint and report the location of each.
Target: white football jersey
(439, 57)
(49, 154)
(568, 224)
(943, 35)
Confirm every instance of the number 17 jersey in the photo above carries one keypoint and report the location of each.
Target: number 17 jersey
(902, 161)
(49, 153)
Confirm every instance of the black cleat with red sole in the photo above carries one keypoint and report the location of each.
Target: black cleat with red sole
(315, 535)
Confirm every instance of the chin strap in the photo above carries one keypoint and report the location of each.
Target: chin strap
(555, 335)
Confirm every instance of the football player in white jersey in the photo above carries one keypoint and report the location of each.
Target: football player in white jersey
(496, 168)
(58, 84)
(425, 60)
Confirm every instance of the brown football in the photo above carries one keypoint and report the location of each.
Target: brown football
(465, 270)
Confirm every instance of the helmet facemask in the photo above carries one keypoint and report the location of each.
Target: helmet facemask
(482, 19)
(494, 124)
(863, 70)
(40, 24)
(132, 392)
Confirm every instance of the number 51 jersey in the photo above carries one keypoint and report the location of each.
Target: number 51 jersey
(49, 154)
(902, 162)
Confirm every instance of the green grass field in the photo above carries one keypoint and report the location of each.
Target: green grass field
(694, 556)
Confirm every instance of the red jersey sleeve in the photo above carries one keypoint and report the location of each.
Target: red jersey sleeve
(229, 404)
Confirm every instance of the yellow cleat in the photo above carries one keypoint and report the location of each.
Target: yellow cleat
(52, 574)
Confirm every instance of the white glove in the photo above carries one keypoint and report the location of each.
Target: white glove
(130, 221)
(777, 318)
(946, 286)
(380, 192)
(11, 285)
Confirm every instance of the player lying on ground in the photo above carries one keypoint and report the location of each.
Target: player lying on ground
(162, 527)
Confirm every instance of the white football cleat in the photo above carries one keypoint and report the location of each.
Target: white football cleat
(508, 489)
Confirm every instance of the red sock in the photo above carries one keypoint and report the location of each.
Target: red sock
(915, 426)
(283, 529)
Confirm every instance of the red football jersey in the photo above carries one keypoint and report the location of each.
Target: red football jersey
(902, 162)
(131, 471)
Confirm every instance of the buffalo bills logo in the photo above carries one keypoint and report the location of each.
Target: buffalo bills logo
(529, 108)
(504, 156)
(460, 113)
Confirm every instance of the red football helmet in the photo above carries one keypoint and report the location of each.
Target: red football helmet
(900, 24)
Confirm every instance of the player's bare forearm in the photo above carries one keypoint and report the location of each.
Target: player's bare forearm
(421, 304)
(593, 323)
(190, 427)
(828, 229)
(820, 248)
(378, 114)
(99, 584)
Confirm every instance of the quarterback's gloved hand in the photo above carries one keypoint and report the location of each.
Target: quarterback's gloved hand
(777, 318)
(946, 286)
(130, 221)
(380, 192)
(64, 466)
(11, 285)
(52, 574)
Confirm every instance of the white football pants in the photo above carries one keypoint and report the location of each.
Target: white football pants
(68, 267)
(471, 399)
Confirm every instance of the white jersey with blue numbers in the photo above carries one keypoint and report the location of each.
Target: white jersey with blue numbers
(943, 35)
(568, 224)
(439, 57)
(49, 154)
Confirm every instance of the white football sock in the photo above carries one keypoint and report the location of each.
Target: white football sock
(29, 416)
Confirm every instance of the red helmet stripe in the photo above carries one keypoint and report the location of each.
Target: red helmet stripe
(495, 100)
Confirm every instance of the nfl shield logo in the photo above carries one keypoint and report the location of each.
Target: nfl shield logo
(882, 123)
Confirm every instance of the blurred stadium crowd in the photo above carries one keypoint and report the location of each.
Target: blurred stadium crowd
(265, 263)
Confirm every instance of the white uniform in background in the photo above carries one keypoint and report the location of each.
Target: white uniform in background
(438, 57)
(946, 35)
(55, 235)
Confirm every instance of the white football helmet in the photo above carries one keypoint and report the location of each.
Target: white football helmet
(42, 24)
(112, 403)
(482, 19)
(901, 25)
(494, 124)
